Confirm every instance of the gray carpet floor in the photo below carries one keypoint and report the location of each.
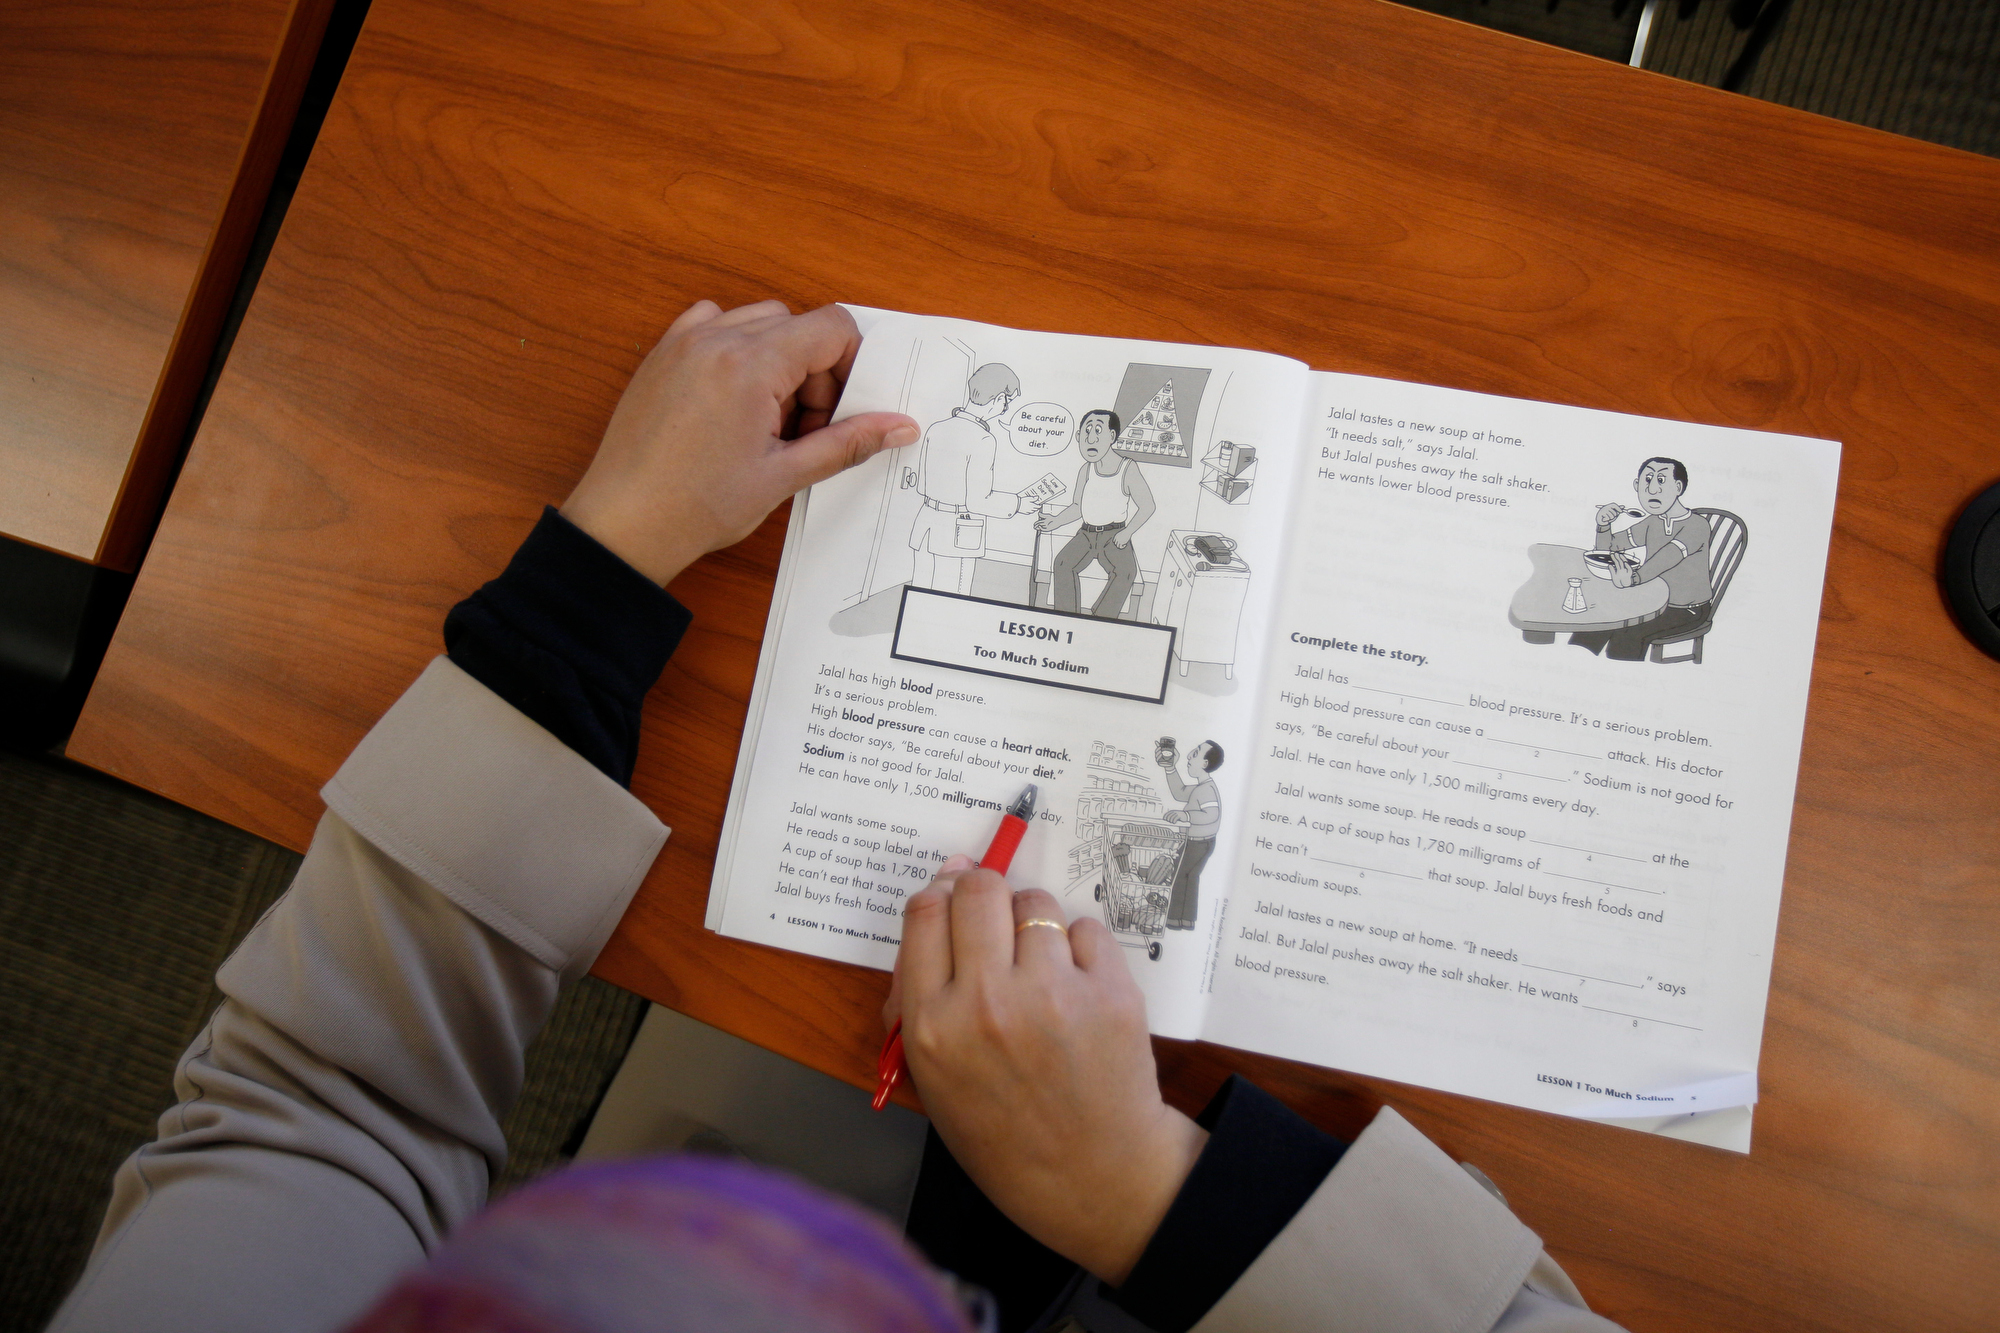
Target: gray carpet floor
(1599, 28)
(116, 908)
(1926, 68)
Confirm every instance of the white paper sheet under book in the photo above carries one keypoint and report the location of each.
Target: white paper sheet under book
(1329, 686)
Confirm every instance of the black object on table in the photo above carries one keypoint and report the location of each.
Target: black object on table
(1971, 572)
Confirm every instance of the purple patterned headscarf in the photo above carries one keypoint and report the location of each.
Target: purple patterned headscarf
(672, 1245)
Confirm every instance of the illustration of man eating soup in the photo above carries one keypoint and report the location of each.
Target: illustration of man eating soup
(1671, 544)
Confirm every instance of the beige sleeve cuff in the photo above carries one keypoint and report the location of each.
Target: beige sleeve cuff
(1398, 1239)
(498, 815)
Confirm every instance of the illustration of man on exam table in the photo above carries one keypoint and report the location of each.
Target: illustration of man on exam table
(1146, 863)
(1193, 579)
(1644, 588)
(1112, 502)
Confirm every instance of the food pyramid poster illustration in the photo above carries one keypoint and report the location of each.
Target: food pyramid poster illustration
(1153, 431)
(1158, 409)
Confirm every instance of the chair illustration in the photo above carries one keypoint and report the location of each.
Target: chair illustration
(1727, 540)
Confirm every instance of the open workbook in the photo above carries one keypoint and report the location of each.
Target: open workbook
(1425, 734)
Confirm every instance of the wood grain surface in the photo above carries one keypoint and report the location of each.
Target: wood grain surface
(512, 196)
(137, 142)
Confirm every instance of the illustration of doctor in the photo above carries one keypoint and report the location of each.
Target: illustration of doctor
(955, 475)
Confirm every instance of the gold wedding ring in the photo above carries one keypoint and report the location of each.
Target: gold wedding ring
(1041, 921)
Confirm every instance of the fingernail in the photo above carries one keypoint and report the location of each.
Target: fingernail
(900, 436)
(956, 864)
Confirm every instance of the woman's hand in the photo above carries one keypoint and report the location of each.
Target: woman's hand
(1030, 1051)
(725, 418)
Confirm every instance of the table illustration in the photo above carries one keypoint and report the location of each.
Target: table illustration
(1537, 608)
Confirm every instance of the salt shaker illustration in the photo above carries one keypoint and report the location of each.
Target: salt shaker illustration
(1574, 601)
(1164, 752)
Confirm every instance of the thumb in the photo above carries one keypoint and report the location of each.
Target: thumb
(844, 444)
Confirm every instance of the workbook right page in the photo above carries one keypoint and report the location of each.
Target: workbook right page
(1530, 732)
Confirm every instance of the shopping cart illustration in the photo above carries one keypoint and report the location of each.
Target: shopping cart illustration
(1140, 858)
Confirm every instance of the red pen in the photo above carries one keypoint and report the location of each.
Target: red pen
(890, 1068)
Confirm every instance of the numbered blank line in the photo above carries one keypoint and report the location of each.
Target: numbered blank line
(1565, 972)
(1657, 893)
(1588, 851)
(1488, 768)
(1642, 1018)
(1372, 869)
(1401, 695)
(1552, 749)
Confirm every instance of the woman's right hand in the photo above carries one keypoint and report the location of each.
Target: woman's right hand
(1029, 1047)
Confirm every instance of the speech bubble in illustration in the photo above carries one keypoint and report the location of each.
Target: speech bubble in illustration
(1040, 428)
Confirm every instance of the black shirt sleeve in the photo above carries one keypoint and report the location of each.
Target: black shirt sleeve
(573, 637)
(963, 1233)
(1259, 1167)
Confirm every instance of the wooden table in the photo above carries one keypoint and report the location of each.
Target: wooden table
(1537, 609)
(137, 143)
(511, 196)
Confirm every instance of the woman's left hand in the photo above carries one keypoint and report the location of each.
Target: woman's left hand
(727, 416)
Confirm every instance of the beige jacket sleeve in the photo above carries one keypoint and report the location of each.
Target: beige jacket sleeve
(341, 1112)
(1401, 1239)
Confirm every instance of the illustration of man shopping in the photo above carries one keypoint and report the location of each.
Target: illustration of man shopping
(1201, 811)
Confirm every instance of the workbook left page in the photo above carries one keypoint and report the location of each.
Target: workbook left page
(1059, 584)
